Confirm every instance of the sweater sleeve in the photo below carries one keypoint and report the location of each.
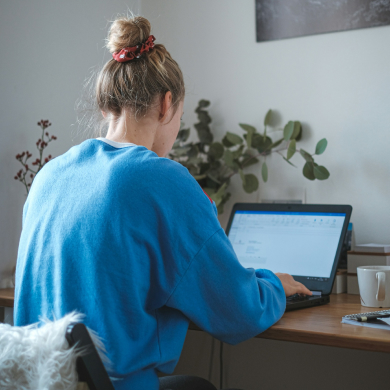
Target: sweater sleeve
(225, 299)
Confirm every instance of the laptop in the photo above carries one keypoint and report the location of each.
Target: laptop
(303, 240)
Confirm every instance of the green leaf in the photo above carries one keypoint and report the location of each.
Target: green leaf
(321, 146)
(194, 160)
(228, 157)
(242, 176)
(250, 130)
(215, 164)
(203, 103)
(213, 178)
(216, 150)
(288, 130)
(308, 171)
(249, 139)
(199, 177)
(321, 173)
(204, 117)
(276, 143)
(237, 153)
(264, 172)
(181, 150)
(251, 183)
(247, 128)
(218, 196)
(183, 135)
(307, 156)
(212, 183)
(205, 137)
(226, 142)
(292, 147)
(257, 140)
(249, 161)
(267, 118)
(297, 130)
(194, 151)
(285, 159)
(201, 126)
(225, 198)
(263, 145)
(234, 138)
(204, 167)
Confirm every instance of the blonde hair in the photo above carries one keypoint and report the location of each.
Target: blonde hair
(137, 84)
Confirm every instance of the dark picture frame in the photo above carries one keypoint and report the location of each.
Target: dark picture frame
(281, 19)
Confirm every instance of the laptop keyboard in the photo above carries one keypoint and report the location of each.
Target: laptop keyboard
(299, 298)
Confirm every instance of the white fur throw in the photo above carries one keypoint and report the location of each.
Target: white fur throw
(38, 358)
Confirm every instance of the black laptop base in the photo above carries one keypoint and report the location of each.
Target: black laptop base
(294, 302)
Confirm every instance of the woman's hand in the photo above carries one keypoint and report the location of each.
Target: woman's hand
(291, 286)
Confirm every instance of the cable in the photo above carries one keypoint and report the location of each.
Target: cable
(211, 366)
(221, 365)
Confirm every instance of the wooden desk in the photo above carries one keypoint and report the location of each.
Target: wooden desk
(322, 326)
(318, 325)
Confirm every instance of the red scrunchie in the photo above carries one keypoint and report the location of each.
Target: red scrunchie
(129, 53)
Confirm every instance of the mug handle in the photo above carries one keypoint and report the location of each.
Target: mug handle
(381, 293)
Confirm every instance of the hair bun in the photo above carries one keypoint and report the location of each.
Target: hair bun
(125, 32)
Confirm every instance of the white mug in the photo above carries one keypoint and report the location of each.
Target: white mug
(374, 285)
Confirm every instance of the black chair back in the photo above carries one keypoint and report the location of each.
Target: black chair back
(89, 366)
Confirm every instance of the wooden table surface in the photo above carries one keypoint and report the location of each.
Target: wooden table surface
(322, 325)
(318, 325)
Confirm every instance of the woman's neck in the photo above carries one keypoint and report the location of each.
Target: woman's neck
(126, 129)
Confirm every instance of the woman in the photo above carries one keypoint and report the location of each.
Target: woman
(116, 231)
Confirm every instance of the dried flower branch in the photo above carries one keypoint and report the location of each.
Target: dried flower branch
(26, 175)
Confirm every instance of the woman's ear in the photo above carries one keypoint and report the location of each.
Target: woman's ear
(104, 114)
(166, 105)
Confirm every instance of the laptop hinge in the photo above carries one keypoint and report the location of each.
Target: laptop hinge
(316, 293)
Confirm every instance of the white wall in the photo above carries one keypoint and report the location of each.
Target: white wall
(47, 49)
(337, 84)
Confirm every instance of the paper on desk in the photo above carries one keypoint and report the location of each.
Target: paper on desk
(386, 320)
(385, 325)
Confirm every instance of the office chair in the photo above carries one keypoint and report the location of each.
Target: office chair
(30, 355)
(39, 356)
(89, 366)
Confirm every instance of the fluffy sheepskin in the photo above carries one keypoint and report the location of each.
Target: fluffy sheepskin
(38, 357)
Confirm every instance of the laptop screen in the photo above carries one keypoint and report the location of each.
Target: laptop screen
(297, 243)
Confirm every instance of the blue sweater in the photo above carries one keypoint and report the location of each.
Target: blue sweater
(130, 240)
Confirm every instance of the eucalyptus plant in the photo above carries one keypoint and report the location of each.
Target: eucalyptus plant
(213, 164)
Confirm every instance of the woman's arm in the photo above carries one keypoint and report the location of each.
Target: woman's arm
(225, 299)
